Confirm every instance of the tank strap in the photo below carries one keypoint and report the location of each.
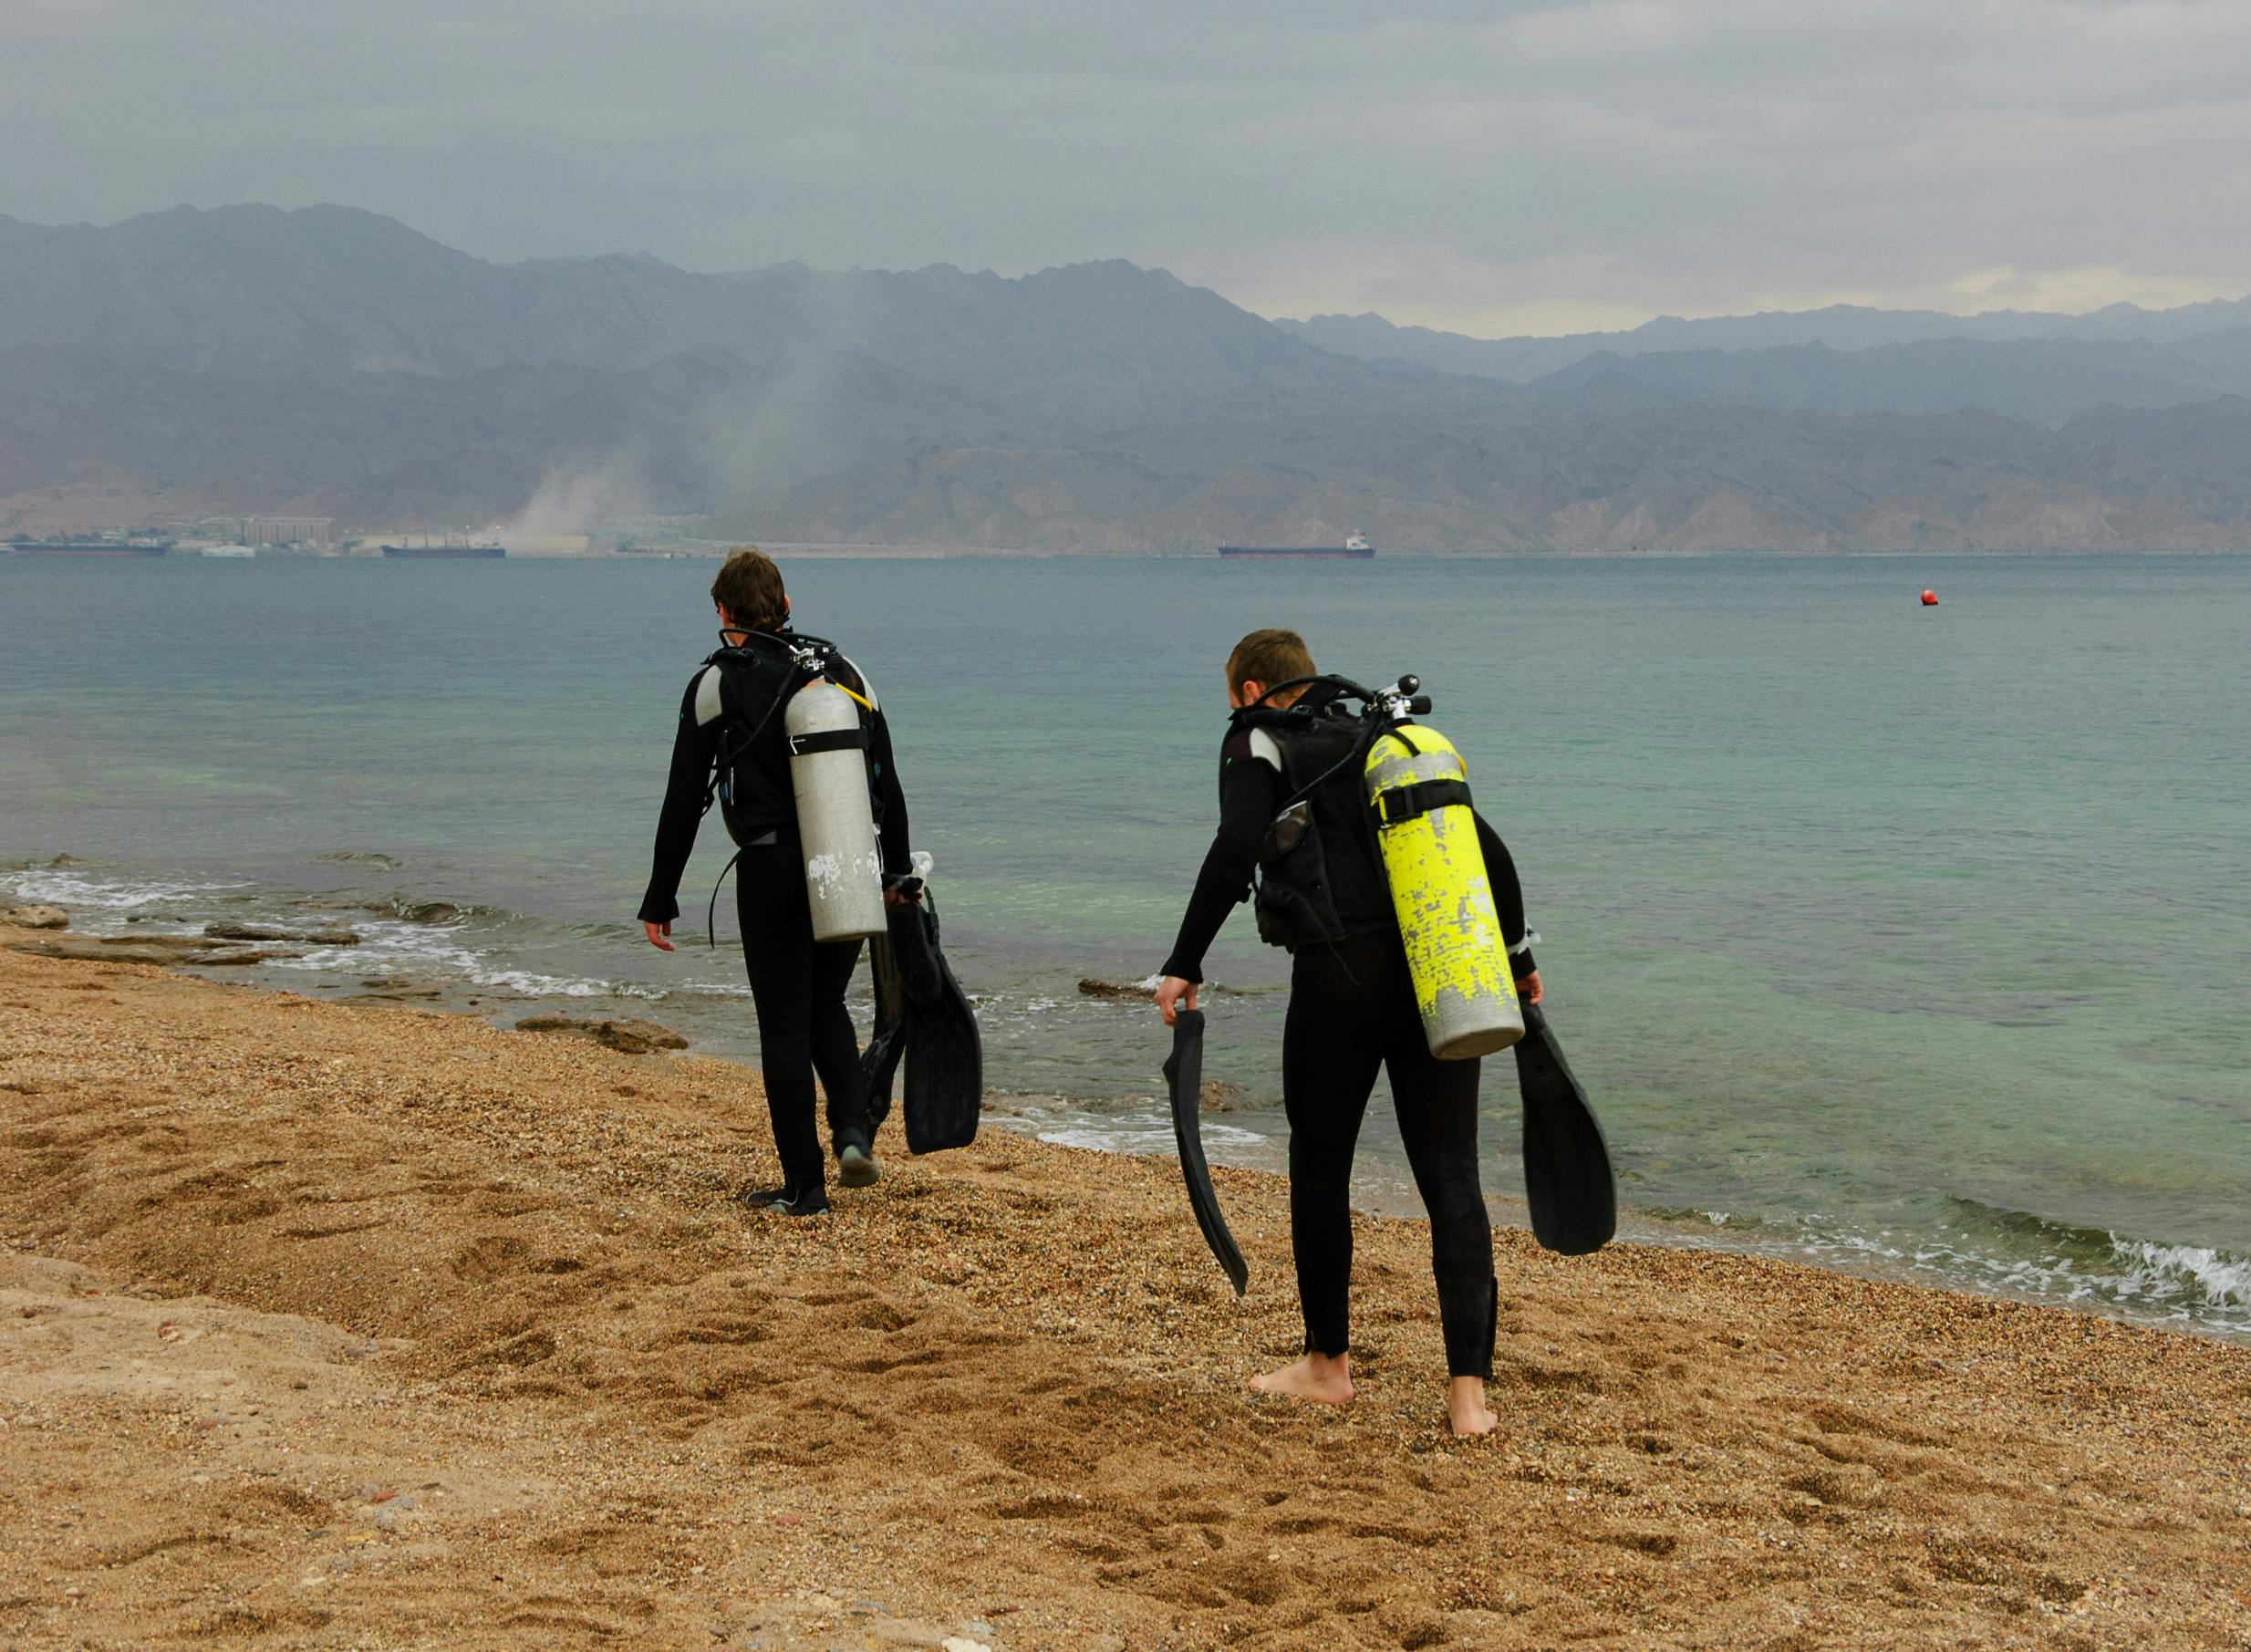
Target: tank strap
(1406, 803)
(830, 739)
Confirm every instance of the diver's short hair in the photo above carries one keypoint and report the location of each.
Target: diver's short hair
(749, 587)
(1271, 656)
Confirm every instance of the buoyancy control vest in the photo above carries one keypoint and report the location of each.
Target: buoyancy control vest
(820, 709)
(1318, 878)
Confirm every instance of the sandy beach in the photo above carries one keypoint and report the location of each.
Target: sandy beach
(329, 1324)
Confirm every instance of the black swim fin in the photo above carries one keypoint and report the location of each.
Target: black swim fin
(1184, 1076)
(879, 1062)
(1568, 1179)
(944, 1056)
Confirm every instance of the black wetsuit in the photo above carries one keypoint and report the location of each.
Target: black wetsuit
(796, 984)
(1352, 1012)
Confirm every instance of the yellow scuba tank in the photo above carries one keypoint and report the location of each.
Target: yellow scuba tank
(1418, 789)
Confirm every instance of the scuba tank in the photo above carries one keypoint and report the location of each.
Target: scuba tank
(1418, 788)
(1408, 813)
(836, 816)
(826, 739)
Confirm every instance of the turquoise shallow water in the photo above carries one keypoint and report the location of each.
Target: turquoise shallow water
(1912, 940)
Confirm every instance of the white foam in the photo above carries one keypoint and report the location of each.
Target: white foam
(1140, 1136)
(2182, 1285)
(55, 886)
(722, 988)
(2164, 1272)
(532, 985)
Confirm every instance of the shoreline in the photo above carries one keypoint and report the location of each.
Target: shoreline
(1134, 1125)
(697, 550)
(350, 1322)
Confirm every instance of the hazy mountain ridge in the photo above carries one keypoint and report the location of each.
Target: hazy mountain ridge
(1670, 481)
(334, 289)
(1840, 327)
(2045, 380)
(333, 362)
(413, 448)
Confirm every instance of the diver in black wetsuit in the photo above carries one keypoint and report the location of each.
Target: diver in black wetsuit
(729, 723)
(1352, 1010)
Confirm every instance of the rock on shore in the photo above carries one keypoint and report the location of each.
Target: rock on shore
(336, 937)
(627, 1037)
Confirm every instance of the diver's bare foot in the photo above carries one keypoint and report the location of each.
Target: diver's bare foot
(1319, 1378)
(1465, 1407)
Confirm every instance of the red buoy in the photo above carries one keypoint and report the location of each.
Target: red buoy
(1930, 599)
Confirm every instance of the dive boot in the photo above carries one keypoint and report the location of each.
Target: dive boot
(857, 1166)
(788, 1201)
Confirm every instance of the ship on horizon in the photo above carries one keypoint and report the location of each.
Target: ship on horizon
(445, 548)
(1355, 546)
(90, 545)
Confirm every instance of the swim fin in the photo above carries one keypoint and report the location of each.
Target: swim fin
(1184, 1076)
(879, 1062)
(937, 1031)
(1568, 1180)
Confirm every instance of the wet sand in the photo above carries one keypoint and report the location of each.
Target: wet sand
(336, 1325)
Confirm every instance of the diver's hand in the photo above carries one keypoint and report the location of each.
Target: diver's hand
(1173, 995)
(897, 897)
(657, 933)
(1529, 990)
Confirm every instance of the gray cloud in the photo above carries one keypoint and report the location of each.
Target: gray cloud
(1485, 166)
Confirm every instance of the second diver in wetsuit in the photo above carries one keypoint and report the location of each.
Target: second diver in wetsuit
(731, 744)
(1352, 1012)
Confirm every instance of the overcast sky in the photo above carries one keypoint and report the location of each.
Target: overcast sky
(1492, 168)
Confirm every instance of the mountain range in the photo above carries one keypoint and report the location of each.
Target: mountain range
(1840, 326)
(331, 361)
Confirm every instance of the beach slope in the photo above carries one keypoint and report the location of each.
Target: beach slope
(337, 1326)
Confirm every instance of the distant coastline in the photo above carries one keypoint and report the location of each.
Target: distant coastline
(1096, 409)
(714, 549)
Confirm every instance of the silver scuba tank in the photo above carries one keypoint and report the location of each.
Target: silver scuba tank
(836, 819)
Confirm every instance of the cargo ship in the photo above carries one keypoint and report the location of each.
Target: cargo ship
(448, 549)
(89, 547)
(1356, 546)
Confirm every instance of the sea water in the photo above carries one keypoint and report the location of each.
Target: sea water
(1907, 940)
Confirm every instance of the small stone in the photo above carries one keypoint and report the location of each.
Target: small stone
(1094, 986)
(244, 932)
(1220, 1095)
